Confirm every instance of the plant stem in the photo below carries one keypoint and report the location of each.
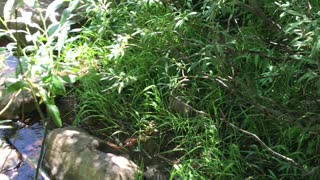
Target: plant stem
(44, 123)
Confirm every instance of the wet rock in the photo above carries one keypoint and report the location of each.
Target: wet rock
(9, 157)
(4, 177)
(22, 14)
(154, 172)
(179, 105)
(73, 154)
(22, 103)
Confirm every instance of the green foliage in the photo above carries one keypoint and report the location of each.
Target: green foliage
(252, 63)
(39, 59)
(4, 126)
(255, 62)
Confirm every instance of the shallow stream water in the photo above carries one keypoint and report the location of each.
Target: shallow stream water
(9, 64)
(26, 139)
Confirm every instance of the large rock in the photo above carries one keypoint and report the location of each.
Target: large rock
(32, 14)
(23, 102)
(73, 154)
(27, 11)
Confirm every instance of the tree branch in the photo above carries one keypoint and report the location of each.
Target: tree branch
(274, 153)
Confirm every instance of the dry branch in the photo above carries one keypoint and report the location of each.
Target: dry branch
(274, 153)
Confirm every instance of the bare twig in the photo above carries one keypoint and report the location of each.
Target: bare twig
(274, 153)
(254, 8)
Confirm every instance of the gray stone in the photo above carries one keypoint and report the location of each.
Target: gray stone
(155, 173)
(73, 154)
(22, 14)
(4, 177)
(21, 104)
(9, 157)
(28, 11)
(179, 105)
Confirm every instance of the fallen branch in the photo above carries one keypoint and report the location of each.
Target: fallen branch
(274, 153)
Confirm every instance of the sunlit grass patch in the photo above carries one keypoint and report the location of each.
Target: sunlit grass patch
(170, 75)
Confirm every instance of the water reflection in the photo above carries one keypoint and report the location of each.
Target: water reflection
(8, 64)
(28, 142)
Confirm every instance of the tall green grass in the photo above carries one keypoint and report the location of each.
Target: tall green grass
(218, 57)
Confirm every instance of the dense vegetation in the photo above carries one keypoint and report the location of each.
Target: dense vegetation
(212, 89)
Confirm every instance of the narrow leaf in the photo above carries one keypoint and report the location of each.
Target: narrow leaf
(55, 114)
(17, 86)
(57, 85)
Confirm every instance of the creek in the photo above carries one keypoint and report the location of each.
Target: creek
(25, 139)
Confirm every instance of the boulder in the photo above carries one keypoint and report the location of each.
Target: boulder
(27, 11)
(73, 154)
(22, 102)
(32, 14)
